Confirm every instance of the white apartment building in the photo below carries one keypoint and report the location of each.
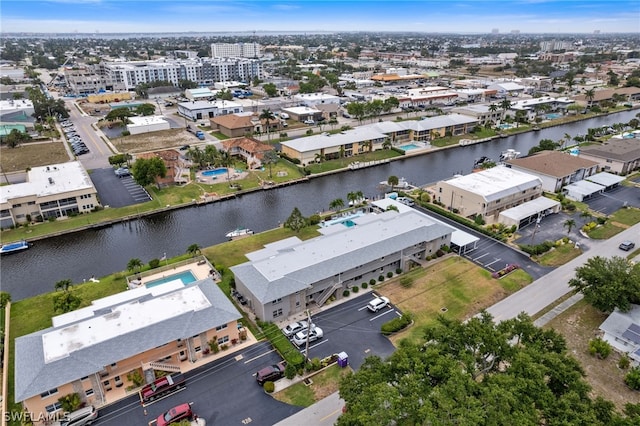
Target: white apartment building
(235, 50)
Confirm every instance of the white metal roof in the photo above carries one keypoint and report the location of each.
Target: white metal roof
(605, 179)
(496, 182)
(316, 142)
(529, 208)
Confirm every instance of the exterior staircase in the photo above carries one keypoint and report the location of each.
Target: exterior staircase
(326, 294)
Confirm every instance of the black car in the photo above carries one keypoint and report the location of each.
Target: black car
(270, 374)
(185, 147)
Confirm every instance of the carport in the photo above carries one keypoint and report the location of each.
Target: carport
(529, 212)
(608, 180)
(462, 242)
(582, 189)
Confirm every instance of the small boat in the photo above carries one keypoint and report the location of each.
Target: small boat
(239, 233)
(14, 247)
(480, 161)
(509, 154)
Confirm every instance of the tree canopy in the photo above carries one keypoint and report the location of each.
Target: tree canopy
(475, 373)
(295, 221)
(608, 283)
(146, 170)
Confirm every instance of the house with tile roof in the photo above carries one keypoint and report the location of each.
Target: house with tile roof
(621, 156)
(252, 150)
(286, 277)
(243, 124)
(92, 351)
(554, 168)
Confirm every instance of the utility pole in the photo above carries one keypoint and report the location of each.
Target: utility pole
(306, 349)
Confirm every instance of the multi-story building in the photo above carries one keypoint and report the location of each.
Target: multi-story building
(235, 50)
(55, 191)
(204, 110)
(83, 81)
(95, 351)
(285, 277)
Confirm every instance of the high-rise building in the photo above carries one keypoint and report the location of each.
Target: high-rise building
(235, 50)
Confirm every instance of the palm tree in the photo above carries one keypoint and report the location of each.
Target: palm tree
(392, 181)
(134, 264)
(193, 249)
(225, 160)
(336, 204)
(386, 144)
(567, 139)
(586, 216)
(590, 94)
(63, 285)
(505, 104)
(267, 116)
(569, 223)
(270, 158)
(318, 158)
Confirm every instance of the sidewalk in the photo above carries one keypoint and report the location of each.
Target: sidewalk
(324, 412)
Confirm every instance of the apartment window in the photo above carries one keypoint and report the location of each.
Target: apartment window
(84, 378)
(88, 392)
(49, 393)
(53, 407)
(197, 349)
(221, 327)
(223, 340)
(17, 205)
(114, 364)
(275, 302)
(277, 313)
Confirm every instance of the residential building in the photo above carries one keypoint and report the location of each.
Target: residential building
(146, 124)
(236, 125)
(235, 50)
(199, 94)
(481, 112)
(487, 193)
(94, 350)
(203, 110)
(50, 192)
(621, 156)
(540, 106)
(251, 150)
(83, 81)
(302, 113)
(554, 168)
(622, 331)
(507, 88)
(177, 166)
(286, 277)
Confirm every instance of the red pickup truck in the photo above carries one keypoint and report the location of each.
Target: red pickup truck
(161, 387)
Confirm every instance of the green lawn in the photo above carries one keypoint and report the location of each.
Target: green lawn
(559, 255)
(605, 231)
(627, 216)
(341, 163)
(324, 383)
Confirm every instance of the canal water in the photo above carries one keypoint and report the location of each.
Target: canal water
(81, 255)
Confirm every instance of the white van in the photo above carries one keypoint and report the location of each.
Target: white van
(81, 417)
(284, 115)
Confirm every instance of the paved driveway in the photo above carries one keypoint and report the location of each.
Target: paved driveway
(117, 192)
(352, 328)
(615, 199)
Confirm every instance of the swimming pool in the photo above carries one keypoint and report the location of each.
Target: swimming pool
(506, 126)
(215, 172)
(186, 277)
(345, 220)
(409, 147)
(553, 116)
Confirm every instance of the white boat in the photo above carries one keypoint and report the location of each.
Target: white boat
(239, 232)
(509, 154)
(14, 247)
(402, 184)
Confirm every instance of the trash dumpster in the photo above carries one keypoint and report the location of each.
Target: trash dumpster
(343, 359)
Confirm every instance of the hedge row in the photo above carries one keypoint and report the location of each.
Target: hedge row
(462, 220)
(289, 352)
(396, 324)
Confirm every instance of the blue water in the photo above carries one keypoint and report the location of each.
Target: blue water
(346, 221)
(186, 277)
(506, 126)
(349, 223)
(214, 172)
(553, 116)
(628, 136)
(409, 147)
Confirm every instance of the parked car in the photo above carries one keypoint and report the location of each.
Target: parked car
(270, 374)
(284, 115)
(309, 121)
(406, 201)
(122, 171)
(81, 417)
(175, 415)
(300, 338)
(185, 147)
(378, 303)
(296, 327)
(627, 245)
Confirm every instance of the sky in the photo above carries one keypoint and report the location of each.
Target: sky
(431, 16)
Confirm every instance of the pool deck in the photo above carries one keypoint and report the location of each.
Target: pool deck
(199, 270)
(223, 177)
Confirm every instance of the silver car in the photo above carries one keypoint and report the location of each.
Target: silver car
(296, 327)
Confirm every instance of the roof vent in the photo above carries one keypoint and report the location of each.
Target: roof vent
(51, 180)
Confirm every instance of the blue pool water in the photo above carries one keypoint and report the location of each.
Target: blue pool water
(346, 220)
(553, 116)
(628, 136)
(214, 172)
(409, 147)
(506, 126)
(186, 277)
(349, 223)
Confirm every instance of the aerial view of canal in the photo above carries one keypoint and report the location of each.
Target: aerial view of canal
(81, 255)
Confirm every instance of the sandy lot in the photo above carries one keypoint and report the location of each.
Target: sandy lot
(173, 138)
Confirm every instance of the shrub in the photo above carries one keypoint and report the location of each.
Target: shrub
(314, 364)
(290, 371)
(314, 219)
(440, 253)
(381, 278)
(406, 282)
(396, 324)
(154, 263)
(479, 220)
(269, 387)
(364, 285)
(424, 197)
(372, 281)
(601, 220)
(389, 274)
(398, 271)
(538, 248)
(70, 402)
(355, 289)
(136, 378)
(346, 293)
(632, 379)
(599, 348)
(624, 362)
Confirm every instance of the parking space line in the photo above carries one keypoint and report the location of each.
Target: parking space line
(489, 264)
(315, 345)
(480, 257)
(382, 314)
(259, 356)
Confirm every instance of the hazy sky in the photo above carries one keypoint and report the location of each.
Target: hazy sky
(466, 16)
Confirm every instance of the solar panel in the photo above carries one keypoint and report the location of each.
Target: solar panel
(632, 335)
(635, 328)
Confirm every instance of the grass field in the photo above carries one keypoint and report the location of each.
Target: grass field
(559, 255)
(324, 384)
(32, 155)
(455, 284)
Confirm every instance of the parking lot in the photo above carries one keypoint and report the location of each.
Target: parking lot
(117, 191)
(612, 200)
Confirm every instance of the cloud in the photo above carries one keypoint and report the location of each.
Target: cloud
(285, 7)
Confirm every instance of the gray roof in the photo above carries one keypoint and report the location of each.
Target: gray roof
(496, 183)
(317, 142)
(618, 322)
(623, 150)
(583, 187)
(34, 376)
(605, 178)
(298, 267)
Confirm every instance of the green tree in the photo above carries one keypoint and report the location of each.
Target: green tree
(270, 89)
(119, 159)
(608, 283)
(119, 114)
(336, 204)
(357, 110)
(134, 264)
(63, 285)
(270, 158)
(146, 109)
(187, 84)
(4, 299)
(267, 116)
(16, 137)
(589, 95)
(70, 402)
(147, 170)
(632, 379)
(569, 224)
(65, 301)
(193, 250)
(392, 181)
(295, 221)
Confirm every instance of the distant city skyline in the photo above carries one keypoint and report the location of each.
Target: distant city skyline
(465, 16)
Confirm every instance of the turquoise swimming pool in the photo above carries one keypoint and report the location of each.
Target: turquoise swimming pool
(215, 172)
(408, 147)
(186, 277)
(553, 116)
(345, 220)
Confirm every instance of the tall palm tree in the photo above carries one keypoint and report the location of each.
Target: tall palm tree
(590, 94)
(336, 204)
(134, 264)
(193, 249)
(225, 160)
(505, 104)
(267, 116)
(569, 224)
(63, 285)
(393, 181)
